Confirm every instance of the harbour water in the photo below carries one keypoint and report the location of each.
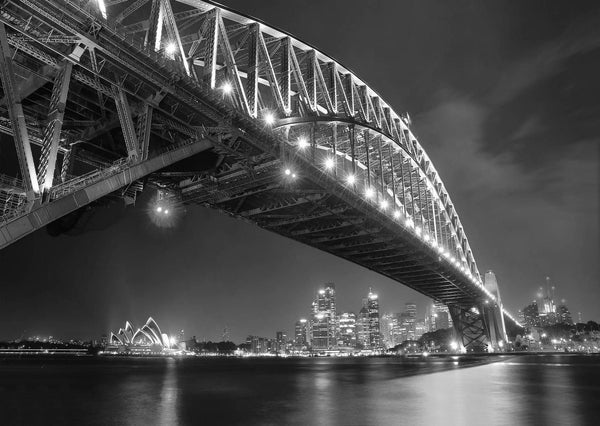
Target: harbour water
(502, 390)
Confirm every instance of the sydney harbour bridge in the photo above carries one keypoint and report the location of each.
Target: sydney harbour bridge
(102, 98)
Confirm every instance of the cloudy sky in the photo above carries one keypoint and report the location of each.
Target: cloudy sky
(504, 96)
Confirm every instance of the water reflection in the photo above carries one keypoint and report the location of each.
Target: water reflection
(378, 391)
(168, 396)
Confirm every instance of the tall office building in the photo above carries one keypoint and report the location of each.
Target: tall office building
(280, 341)
(546, 306)
(324, 319)
(563, 315)
(301, 334)
(531, 315)
(409, 317)
(362, 326)
(347, 330)
(440, 317)
(420, 328)
(374, 328)
(387, 329)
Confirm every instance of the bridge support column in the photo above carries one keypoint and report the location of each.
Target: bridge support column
(478, 328)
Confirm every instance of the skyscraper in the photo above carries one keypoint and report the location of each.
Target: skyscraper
(280, 341)
(324, 320)
(563, 315)
(300, 334)
(347, 330)
(387, 329)
(410, 319)
(531, 315)
(441, 321)
(374, 329)
(362, 326)
(546, 306)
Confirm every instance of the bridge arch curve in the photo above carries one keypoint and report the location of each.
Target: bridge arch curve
(302, 146)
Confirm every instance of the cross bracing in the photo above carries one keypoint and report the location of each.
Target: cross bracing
(93, 88)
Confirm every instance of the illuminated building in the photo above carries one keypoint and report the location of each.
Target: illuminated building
(442, 318)
(387, 329)
(546, 307)
(410, 318)
(300, 334)
(347, 330)
(362, 326)
(280, 341)
(563, 315)
(531, 315)
(260, 345)
(149, 338)
(324, 320)
(420, 328)
(374, 329)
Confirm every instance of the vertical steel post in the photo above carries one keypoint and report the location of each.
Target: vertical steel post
(17, 117)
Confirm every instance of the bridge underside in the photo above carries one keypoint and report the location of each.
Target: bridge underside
(92, 112)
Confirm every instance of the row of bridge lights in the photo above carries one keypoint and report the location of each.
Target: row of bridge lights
(269, 119)
(371, 193)
(303, 143)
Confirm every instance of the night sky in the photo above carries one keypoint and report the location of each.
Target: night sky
(505, 98)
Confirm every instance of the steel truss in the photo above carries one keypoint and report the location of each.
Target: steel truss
(86, 88)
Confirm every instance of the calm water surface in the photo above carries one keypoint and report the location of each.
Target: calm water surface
(515, 390)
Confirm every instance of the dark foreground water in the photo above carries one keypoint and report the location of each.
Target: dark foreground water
(516, 390)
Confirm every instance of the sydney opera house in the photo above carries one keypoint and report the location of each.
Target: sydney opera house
(148, 339)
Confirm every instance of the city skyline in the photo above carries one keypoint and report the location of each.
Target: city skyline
(490, 126)
(423, 312)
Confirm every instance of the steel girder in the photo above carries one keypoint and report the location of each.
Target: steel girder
(226, 70)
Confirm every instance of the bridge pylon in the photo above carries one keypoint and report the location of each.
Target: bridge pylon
(481, 328)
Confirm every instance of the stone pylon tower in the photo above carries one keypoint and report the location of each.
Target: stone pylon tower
(493, 313)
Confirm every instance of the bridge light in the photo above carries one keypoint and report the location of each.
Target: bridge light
(396, 214)
(166, 211)
(227, 88)
(418, 230)
(426, 238)
(170, 48)
(269, 118)
(369, 192)
(329, 163)
(302, 142)
(294, 175)
(351, 179)
(102, 7)
(159, 209)
(288, 172)
(384, 204)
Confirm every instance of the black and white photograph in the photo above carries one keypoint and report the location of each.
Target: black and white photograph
(299, 212)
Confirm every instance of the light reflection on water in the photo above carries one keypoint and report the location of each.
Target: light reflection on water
(380, 391)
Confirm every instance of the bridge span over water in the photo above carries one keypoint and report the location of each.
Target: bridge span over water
(103, 97)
